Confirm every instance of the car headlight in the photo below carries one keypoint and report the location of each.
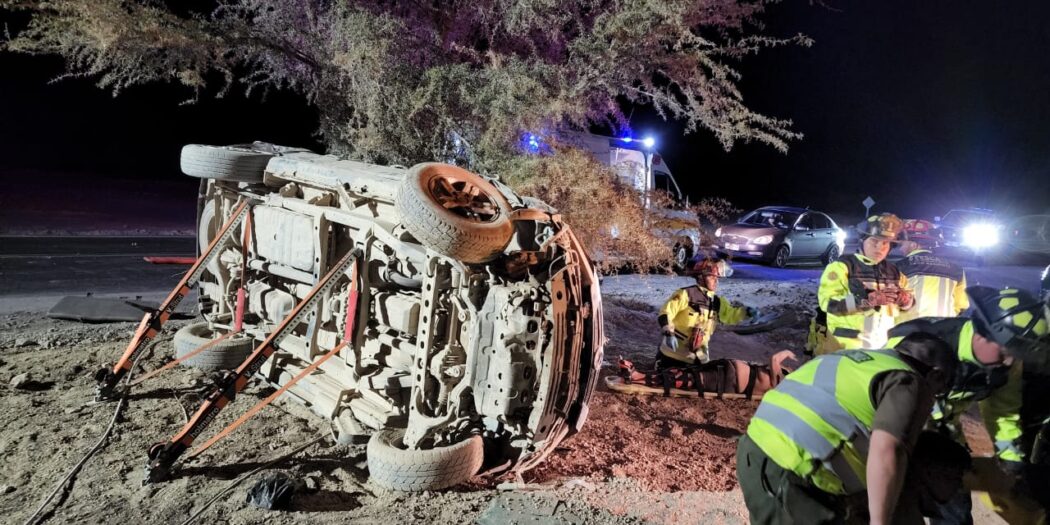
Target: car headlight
(718, 232)
(765, 239)
(980, 235)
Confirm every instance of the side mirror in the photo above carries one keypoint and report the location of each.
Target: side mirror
(937, 219)
(801, 228)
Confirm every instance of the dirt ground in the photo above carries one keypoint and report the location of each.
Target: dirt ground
(637, 460)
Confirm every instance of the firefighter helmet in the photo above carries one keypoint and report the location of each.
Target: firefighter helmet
(1013, 318)
(885, 226)
(705, 266)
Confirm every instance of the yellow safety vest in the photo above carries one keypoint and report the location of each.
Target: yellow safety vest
(997, 389)
(843, 294)
(817, 422)
(939, 286)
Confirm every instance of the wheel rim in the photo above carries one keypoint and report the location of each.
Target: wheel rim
(833, 253)
(463, 198)
(782, 256)
(680, 257)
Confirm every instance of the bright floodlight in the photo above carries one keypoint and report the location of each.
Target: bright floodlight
(648, 142)
(980, 235)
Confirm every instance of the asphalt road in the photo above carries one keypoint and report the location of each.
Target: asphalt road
(1024, 277)
(50, 266)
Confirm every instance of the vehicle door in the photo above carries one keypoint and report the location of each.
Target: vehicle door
(824, 230)
(804, 240)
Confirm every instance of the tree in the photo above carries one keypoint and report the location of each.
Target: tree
(409, 81)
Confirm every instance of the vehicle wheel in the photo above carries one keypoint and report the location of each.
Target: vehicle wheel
(391, 466)
(830, 255)
(780, 258)
(233, 163)
(454, 212)
(682, 254)
(224, 355)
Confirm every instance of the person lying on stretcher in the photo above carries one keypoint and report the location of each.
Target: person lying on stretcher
(720, 376)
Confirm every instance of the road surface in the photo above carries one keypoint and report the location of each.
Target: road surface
(36, 271)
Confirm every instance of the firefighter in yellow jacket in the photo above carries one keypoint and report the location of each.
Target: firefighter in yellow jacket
(690, 316)
(862, 293)
(1007, 324)
(830, 444)
(939, 285)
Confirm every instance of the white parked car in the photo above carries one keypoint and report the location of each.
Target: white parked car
(478, 333)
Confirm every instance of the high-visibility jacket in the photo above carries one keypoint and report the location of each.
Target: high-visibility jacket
(843, 294)
(939, 286)
(996, 389)
(817, 423)
(694, 312)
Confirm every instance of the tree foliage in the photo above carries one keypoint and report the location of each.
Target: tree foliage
(393, 79)
(409, 81)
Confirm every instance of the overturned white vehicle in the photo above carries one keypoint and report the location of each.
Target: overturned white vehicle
(477, 338)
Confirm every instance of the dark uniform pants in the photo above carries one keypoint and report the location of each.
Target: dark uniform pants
(778, 497)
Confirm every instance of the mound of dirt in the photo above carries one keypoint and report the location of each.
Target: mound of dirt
(665, 444)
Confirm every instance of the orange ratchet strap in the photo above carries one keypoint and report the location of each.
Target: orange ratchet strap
(152, 322)
(162, 456)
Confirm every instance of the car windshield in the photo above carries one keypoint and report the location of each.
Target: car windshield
(780, 219)
(963, 217)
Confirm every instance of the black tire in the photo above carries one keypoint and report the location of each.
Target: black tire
(224, 355)
(831, 254)
(392, 467)
(682, 255)
(781, 256)
(460, 232)
(232, 163)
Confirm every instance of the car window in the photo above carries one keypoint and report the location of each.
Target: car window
(820, 221)
(806, 223)
(779, 219)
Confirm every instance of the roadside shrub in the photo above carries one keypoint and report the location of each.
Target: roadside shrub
(610, 217)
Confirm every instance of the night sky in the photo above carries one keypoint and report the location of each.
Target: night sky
(924, 106)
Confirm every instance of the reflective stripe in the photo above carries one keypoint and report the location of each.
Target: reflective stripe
(918, 285)
(869, 326)
(1007, 446)
(798, 430)
(942, 297)
(827, 372)
(812, 442)
(828, 408)
(851, 303)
